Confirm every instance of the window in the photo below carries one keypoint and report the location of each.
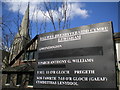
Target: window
(29, 55)
(26, 56)
(31, 76)
(8, 79)
(19, 79)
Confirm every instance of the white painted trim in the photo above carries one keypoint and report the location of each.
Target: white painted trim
(30, 86)
(7, 84)
(27, 60)
(17, 85)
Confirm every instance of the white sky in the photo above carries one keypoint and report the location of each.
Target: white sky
(74, 9)
(61, 0)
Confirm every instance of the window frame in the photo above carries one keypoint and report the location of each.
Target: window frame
(19, 79)
(27, 55)
(8, 79)
(31, 79)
